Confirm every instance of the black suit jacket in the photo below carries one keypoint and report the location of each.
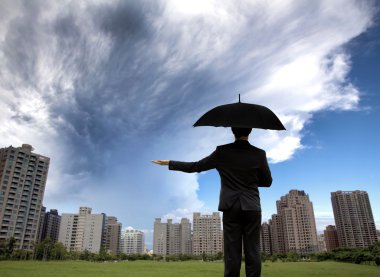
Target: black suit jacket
(242, 168)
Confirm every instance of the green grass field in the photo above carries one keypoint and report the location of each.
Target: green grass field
(178, 269)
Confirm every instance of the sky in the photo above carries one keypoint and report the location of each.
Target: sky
(104, 87)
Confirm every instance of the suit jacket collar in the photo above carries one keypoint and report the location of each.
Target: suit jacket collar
(241, 142)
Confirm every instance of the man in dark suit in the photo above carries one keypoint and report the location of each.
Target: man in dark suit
(242, 168)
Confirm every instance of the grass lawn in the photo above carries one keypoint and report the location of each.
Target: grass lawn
(178, 269)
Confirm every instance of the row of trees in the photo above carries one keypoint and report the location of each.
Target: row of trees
(48, 250)
(356, 255)
(368, 255)
(45, 250)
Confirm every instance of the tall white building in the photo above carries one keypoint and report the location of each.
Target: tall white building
(353, 216)
(172, 238)
(185, 234)
(132, 242)
(23, 177)
(83, 231)
(160, 237)
(293, 229)
(207, 234)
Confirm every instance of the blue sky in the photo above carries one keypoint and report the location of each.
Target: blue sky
(104, 87)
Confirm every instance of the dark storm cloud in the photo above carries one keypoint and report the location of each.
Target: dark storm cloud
(127, 19)
(113, 100)
(22, 118)
(21, 44)
(67, 32)
(107, 96)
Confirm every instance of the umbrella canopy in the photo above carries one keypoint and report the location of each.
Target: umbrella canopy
(241, 115)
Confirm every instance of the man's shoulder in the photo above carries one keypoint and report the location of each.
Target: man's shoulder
(229, 145)
(258, 149)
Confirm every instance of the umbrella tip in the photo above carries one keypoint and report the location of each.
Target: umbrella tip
(239, 97)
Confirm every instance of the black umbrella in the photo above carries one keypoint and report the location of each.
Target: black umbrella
(241, 115)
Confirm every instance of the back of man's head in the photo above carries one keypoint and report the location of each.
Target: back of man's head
(241, 132)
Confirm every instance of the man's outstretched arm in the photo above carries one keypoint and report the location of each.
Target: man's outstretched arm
(190, 167)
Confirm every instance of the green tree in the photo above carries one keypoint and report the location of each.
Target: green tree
(375, 251)
(9, 247)
(59, 251)
(102, 255)
(86, 255)
(274, 258)
(122, 256)
(292, 257)
(264, 256)
(44, 249)
(157, 257)
(73, 255)
(204, 256)
(219, 256)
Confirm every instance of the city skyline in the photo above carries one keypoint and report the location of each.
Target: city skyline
(103, 89)
(271, 221)
(295, 205)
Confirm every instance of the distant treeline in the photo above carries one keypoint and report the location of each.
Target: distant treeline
(47, 250)
(370, 255)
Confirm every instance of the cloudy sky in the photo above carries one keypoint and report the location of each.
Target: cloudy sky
(104, 87)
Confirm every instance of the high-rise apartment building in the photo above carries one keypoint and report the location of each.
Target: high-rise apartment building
(23, 177)
(112, 235)
(277, 236)
(293, 228)
(132, 242)
(172, 238)
(331, 238)
(353, 219)
(83, 231)
(160, 237)
(207, 234)
(266, 239)
(185, 233)
(50, 225)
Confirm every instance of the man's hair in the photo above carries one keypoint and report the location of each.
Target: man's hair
(241, 132)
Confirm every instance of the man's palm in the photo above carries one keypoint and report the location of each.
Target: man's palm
(161, 162)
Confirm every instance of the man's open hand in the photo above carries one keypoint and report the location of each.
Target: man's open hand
(161, 162)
